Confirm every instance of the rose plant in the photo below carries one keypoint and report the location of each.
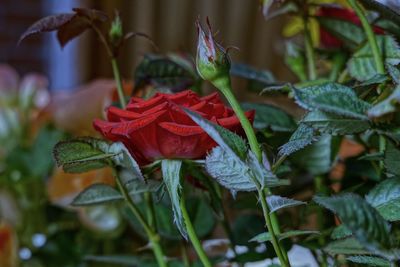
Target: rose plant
(176, 155)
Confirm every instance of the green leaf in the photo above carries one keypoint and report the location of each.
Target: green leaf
(245, 227)
(171, 171)
(334, 124)
(347, 246)
(38, 161)
(124, 159)
(97, 194)
(351, 34)
(80, 156)
(367, 225)
(370, 261)
(201, 215)
(295, 60)
(248, 72)
(228, 140)
(385, 197)
(374, 81)
(137, 186)
(362, 67)
(332, 98)
(268, 116)
(232, 173)
(388, 105)
(394, 73)
(277, 202)
(302, 137)
(317, 158)
(376, 156)
(264, 237)
(174, 72)
(341, 232)
(237, 175)
(391, 161)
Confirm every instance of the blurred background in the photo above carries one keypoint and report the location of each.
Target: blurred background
(169, 23)
(48, 94)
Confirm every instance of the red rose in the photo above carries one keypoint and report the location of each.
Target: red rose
(329, 40)
(158, 127)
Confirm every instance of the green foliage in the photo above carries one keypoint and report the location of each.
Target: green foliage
(97, 194)
(385, 198)
(302, 137)
(173, 72)
(340, 232)
(277, 202)
(262, 77)
(319, 157)
(391, 160)
(228, 140)
(367, 225)
(271, 117)
(334, 124)
(347, 246)
(237, 175)
(388, 105)
(86, 154)
(295, 60)
(80, 156)
(361, 65)
(370, 261)
(171, 171)
(264, 237)
(332, 98)
(351, 34)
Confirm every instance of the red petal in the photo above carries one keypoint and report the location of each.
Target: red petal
(180, 129)
(127, 128)
(142, 106)
(116, 114)
(213, 98)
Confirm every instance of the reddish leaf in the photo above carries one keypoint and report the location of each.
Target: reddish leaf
(91, 14)
(47, 24)
(72, 29)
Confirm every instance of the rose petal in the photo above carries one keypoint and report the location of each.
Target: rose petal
(180, 129)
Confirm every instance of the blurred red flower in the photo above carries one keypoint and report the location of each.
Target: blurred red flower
(328, 39)
(158, 127)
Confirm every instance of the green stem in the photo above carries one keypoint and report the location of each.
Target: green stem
(275, 242)
(382, 147)
(224, 85)
(151, 217)
(117, 77)
(380, 67)
(185, 257)
(192, 235)
(153, 237)
(378, 58)
(310, 55)
(319, 187)
(339, 61)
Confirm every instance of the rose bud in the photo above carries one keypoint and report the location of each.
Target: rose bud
(212, 61)
(329, 40)
(158, 128)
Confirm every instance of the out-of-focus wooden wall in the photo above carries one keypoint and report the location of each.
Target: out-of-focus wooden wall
(171, 24)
